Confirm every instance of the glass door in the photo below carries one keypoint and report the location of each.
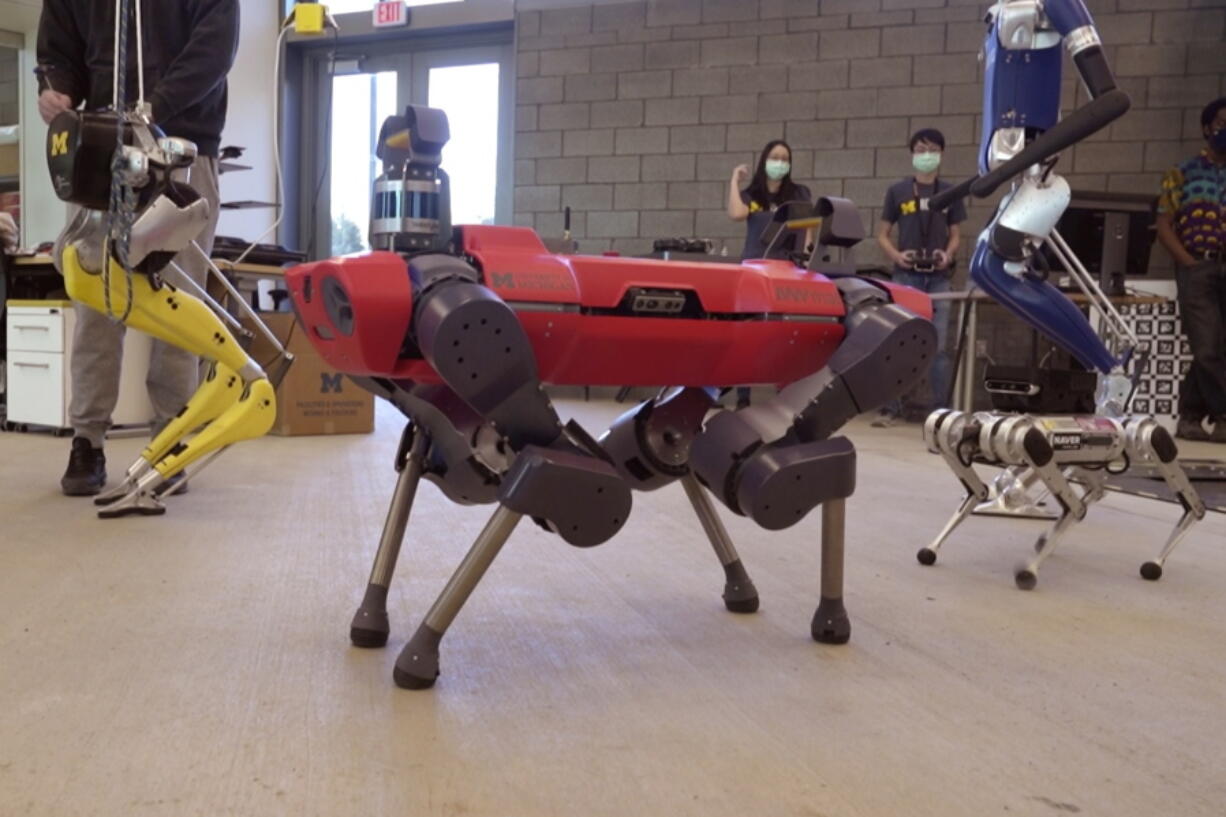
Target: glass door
(468, 87)
(473, 86)
(360, 103)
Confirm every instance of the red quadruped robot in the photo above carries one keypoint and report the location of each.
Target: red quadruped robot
(461, 328)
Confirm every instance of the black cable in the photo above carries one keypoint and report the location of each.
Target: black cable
(323, 169)
(1041, 259)
(1127, 465)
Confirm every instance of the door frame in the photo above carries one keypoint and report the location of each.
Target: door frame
(308, 104)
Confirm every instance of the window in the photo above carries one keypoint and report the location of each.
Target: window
(360, 103)
(469, 95)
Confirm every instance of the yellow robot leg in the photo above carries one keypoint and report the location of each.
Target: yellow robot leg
(220, 390)
(183, 321)
(251, 417)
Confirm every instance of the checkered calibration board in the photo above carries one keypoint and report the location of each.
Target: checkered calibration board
(1159, 329)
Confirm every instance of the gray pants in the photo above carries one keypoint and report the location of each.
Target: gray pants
(97, 345)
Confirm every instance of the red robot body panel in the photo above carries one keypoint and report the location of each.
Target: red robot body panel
(518, 267)
(376, 287)
(588, 350)
(762, 322)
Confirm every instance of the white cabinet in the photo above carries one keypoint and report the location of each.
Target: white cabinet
(39, 367)
(37, 385)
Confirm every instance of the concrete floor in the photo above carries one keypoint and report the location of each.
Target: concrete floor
(198, 664)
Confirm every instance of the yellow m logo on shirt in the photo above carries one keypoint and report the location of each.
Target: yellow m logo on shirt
(909, 208)
(59, 143)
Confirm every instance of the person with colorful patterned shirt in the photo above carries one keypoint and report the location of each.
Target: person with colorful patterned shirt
(1192, 227)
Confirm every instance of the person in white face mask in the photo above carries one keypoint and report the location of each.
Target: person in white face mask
(924, 255)
(770, 187)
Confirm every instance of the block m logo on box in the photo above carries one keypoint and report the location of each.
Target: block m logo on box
(59, 143)
(330, 383)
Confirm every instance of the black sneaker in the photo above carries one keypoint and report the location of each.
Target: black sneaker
(86, 474)
(1191, 428)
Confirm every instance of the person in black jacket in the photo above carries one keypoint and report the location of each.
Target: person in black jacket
(189, 48)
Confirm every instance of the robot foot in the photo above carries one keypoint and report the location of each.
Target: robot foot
(417, 665)
(1112, 395)
(370, 627)
(831, 624)
(137, 470)
(143, 500)
(740, 594)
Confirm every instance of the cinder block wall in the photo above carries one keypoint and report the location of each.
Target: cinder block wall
(634, 114)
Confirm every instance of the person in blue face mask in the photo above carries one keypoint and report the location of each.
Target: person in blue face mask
(924, 255)
(1192, 228)
(770, 188)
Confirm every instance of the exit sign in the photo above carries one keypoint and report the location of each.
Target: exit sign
(391, 13)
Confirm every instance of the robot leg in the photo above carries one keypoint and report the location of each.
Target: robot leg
(369, 627)
(775, 462)
(477, 345)
(650, 447)
(1033, 442)
(1042, 307)
(582, 499)
(448, 444)
(185, 322)
(955, 436)
(1148, 441)
(558, 475)
(221, 389)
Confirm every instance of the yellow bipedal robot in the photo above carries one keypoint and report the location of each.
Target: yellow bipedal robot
(116, 258)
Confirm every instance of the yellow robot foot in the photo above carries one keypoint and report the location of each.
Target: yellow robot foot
(252, 416)
(142, 500)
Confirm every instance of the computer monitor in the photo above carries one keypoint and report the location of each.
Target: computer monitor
(1112, 234)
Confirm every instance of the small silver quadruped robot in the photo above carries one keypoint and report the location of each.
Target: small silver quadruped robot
(1069, 455)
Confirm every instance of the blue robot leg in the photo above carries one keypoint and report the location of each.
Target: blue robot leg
(1042, 306)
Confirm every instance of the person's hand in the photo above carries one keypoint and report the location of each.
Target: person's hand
(1186, 259)
(943, 259)
(741, 174)
(52, 103)
(904, 259)
(8, 233)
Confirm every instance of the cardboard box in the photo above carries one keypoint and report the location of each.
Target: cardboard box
(10, 160)
(313, 398)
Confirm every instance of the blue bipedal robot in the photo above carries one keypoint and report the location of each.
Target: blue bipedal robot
(1038, 434)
